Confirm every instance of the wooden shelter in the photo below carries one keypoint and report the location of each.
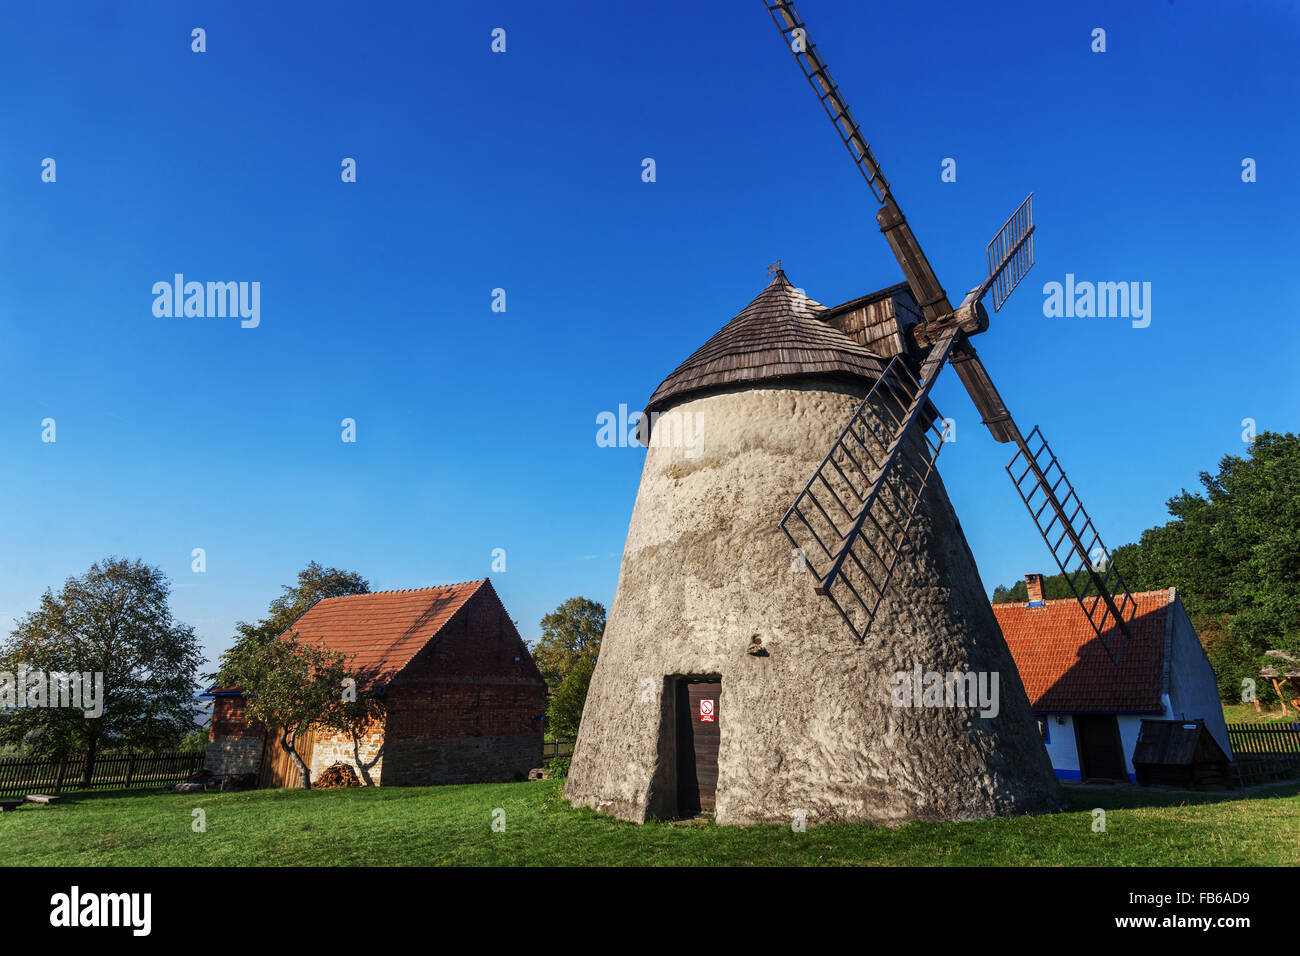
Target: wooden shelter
(1179, 753)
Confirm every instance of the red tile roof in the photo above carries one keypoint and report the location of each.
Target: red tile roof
(1065, 668)
(384, 629)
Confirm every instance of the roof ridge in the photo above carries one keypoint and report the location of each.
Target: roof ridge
(431, 587)
(386, 634)
(1062, 600)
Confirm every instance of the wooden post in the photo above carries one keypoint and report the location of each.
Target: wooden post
(1281, 698)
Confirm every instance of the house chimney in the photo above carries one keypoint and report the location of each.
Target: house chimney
(1034, 585)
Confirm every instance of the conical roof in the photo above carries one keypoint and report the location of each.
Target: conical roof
(777, 336)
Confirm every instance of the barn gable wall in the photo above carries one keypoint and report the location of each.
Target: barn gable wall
(468, 707)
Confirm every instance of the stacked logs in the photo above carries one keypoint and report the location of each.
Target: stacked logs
(337, 775)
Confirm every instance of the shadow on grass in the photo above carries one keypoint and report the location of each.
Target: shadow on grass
(74, 797)
(1130, 796)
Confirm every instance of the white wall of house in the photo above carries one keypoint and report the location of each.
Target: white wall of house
(1063, 751)
(1061, 748)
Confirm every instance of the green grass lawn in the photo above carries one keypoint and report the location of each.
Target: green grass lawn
(430, 826)
(1246, 714)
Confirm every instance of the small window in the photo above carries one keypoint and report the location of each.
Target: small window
(1043, 730)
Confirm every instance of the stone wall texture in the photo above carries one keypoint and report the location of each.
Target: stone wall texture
(364, 755)
(229, 755)
(810, 728)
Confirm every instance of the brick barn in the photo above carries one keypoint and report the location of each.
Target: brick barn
(464, 701)
(1089, 711)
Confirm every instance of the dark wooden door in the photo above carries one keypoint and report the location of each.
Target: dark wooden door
(1101, 754)
(699, 712)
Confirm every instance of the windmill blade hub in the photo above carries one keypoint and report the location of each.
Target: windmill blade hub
(971, 317)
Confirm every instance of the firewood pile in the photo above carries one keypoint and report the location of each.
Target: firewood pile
(336, 775)
(207, 780)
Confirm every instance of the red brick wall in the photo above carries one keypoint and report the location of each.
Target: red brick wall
(469, 706)
(228, 720)
(475, 679)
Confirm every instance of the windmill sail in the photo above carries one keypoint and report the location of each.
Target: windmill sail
(851, 520)
(1011, 253)
(855, 512)
(921, 279)
(828, 94)
(1074, 542)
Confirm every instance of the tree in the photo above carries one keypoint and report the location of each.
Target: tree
(314, 582)
(570, 633)
(564, 710)
(290, 686)
(113, 621)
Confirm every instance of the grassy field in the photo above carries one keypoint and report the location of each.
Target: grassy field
(1246, 714)
(432, 826)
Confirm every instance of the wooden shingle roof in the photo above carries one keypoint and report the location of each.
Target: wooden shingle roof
(779, 335)
(1065, 668)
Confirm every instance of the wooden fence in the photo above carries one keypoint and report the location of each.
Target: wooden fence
(1265, 752)
(1281, 741)
(556, 748)
(23, 775)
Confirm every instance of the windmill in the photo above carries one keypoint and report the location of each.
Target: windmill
(852, 519)
(724, 680)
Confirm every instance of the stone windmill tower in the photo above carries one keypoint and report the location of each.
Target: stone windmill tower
(783, 646)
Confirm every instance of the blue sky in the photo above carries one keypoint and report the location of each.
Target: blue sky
(476, 430)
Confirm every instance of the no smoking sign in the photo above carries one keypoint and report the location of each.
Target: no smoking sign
(706, 711)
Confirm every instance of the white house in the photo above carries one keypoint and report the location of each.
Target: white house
(1089, 709)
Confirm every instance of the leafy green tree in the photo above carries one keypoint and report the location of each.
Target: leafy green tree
(314, 583)
(570, 633)
(114, 620)
(291, 686)
(564, 711)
